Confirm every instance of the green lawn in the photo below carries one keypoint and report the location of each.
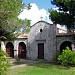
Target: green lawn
(42, 69)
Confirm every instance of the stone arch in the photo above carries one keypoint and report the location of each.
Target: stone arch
(22, 50)
(64, 44)
(10, 49)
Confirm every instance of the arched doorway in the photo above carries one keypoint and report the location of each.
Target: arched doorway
(64, 45)
(22, 50)
(10, 49)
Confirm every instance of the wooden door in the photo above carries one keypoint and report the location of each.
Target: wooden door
(22, 50)
(8, 52)
(40, 50)
(9, 49)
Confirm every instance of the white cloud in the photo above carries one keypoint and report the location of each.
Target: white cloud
(34, 14)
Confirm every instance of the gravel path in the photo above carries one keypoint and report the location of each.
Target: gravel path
(22, 63)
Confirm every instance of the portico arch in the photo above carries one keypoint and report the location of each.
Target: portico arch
(22, 50)
(10, 49)
(65, 44)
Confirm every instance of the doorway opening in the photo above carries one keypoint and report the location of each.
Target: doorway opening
(10, 49)
(40, 50)
(22, 50)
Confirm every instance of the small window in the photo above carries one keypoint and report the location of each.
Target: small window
(41, 30)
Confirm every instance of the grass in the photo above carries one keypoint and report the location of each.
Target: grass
(42, 69)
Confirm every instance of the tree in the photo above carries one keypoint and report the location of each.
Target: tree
(9, 21)
(9, 24)
(65, 15)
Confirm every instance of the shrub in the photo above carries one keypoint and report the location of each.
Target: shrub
(3, 63)
(67, 57)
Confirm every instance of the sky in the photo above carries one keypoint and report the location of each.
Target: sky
(46, 4)
(39, 9)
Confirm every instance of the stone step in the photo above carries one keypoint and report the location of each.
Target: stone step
(11, 60)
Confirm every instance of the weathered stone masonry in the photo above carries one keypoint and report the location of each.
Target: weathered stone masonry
(42, 43)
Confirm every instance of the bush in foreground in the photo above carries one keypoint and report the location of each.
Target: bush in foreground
(3, 63)
(67, 57)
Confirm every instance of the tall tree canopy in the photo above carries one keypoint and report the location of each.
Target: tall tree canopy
(65, 15)
(9, 21)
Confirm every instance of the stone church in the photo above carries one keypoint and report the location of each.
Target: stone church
(42, 42)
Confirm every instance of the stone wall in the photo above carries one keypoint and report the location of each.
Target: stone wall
(62, 38)
(47, 36)
(42, 32)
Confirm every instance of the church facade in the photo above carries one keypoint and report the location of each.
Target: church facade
(41, 43)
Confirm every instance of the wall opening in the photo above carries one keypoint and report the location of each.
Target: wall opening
(40, 50)
(10, 49)
(22, 50)
(65, 44)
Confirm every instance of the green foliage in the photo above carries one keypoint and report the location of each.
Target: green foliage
(4, 64)
(9, 21)
(66, 10)
(58, 18)
(67, 57)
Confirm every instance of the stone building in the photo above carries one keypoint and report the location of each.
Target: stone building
(18, 47)
(43, 42)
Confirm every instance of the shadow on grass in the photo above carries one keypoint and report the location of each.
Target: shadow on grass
(40, 64)
(48, 65)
